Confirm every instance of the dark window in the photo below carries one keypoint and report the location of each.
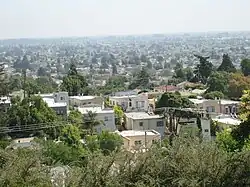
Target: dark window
(206, 130)
(159, 124)
(141, 124)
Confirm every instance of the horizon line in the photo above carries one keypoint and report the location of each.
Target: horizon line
(122, 35)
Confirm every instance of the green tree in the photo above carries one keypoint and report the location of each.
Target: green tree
(109, 142)
(74, 83)
(3, 82)
(170, 99)
(237, 84)
(218, 81)
(214, 95)
(71, 135)
(227, 65)
(75, 117)
(245, 67)
(204, 69)
(33, 110)
(90, 122)
(118, 115)
(114, 69)
(179, 72)
(42, 72)
(141, 80)
(226, 141)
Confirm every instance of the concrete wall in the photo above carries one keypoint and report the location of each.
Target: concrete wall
(129, 141)
(148, 124)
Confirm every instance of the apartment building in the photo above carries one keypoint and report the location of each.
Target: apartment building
(145, 121)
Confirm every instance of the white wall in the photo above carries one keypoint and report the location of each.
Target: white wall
(205, 126)
(148, 124)
(109, 124)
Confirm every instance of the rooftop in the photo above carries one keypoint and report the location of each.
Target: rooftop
(142, 115)
(128, 133)
(85, 110)
(87, 97)
(51, 103)
(223, 102)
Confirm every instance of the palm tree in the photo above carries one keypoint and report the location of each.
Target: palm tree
(90, 121)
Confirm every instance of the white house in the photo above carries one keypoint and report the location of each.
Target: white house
(131, 103)
(58, 101)
(106, 116)
(145, 121)
(81, 101)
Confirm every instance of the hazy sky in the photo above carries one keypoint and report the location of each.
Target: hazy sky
(48, 18)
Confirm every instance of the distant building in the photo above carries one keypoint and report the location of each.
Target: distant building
(139, 139)
(105, 116)
(80, 101)
(167, 88)
(131, 103)
(145, 121)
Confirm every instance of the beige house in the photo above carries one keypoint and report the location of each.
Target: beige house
(145, 121)
(139, 139)
(80, 101)
(216, 107)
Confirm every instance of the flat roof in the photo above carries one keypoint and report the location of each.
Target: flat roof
(129, 133)
(142, 115)
(51, 103)
(223, 102)
(85, 97)
(98, 110)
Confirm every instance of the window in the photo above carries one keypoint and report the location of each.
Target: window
(140, 123)
(130, 104)
(227, 110)
(106, 118)
(159, 124)
(138, 142)
(233, 109)
(137, 104)
(142, 104)
(213, 109)
(62, 98)
(206, 130)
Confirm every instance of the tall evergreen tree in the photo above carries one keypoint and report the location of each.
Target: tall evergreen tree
(204, 69)
(226, 64)
(3, 82)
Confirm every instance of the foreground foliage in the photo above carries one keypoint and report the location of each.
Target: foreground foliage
(186, 163)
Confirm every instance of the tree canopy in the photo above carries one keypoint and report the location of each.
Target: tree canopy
(74, 83)
(245, 67)
(204, 69)
(226, 64)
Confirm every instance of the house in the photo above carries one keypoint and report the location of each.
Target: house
(145, 121)
(60, 108)
(136, 139)
(58, 101)
(217, 106)
(80, 101)
(58, 97)
(131, 103)
(22, 143)
(4, 104)
(167, 88)
(105, 116)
